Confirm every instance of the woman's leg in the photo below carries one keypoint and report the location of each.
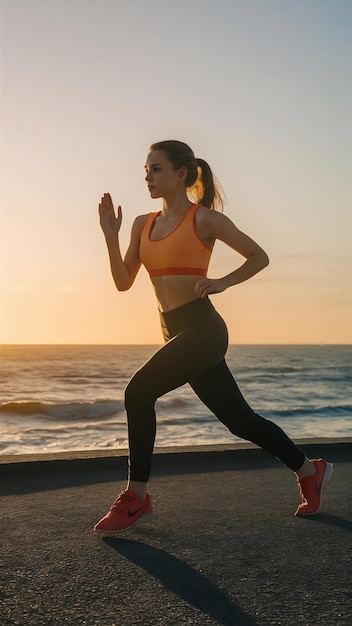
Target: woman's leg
(183, 358)
(219, 391)
(187, 355)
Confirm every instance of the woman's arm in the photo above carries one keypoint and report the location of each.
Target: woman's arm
(212, 225)
(123, 271)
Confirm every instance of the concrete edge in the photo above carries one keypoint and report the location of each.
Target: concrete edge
(174, 456)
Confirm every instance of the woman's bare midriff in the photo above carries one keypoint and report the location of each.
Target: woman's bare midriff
(173, 291)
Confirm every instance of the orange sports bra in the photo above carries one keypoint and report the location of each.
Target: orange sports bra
(179, 252)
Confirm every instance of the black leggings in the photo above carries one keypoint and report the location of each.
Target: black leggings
(196, 342)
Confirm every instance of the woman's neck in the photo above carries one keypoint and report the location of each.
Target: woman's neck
(175, 205)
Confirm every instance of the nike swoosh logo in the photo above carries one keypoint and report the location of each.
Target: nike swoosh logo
(133, 513)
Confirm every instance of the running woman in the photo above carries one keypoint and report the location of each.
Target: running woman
(175, 246)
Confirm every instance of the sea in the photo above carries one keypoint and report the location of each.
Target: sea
(56, 398)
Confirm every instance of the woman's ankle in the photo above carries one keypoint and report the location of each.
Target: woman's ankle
(138, 487)
(307, 469)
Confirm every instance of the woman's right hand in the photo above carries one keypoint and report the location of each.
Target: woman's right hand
(109, 222)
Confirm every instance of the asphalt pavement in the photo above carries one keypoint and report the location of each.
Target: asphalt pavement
(224, 547)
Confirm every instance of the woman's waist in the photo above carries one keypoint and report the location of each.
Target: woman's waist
(189, 309)
(173, 292)
(198, 315)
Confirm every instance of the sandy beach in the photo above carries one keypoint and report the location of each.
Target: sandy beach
(224, 546)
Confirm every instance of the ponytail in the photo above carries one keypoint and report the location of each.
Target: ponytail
(207, 190)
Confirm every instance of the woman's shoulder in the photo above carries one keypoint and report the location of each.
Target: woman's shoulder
(144, 216)
(211, 223)
(201, 211)
(140, 221)
(206, 215)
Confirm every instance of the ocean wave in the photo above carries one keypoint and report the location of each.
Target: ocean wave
(182, 407)
(174, 403)
(64, 410)
(321, 411)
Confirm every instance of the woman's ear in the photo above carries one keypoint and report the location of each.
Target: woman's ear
(182, 172)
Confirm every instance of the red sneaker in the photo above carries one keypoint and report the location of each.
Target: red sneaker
(312, 488)
(126, 511)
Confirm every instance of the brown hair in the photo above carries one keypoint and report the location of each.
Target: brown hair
(199, 180)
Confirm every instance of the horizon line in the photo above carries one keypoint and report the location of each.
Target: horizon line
(321, 343)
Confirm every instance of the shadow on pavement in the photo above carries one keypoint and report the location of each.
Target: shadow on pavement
(329, 520)
(182, 580)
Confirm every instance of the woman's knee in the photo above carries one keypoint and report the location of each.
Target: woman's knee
(246, 424)
(137, 394)
(254, 427)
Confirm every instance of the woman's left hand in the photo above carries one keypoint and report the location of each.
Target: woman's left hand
(205, 286)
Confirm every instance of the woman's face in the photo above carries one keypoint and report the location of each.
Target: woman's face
(161, 177)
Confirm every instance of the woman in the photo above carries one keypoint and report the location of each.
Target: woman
(175, 246)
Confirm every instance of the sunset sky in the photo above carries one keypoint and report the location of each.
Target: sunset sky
(261, 89)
